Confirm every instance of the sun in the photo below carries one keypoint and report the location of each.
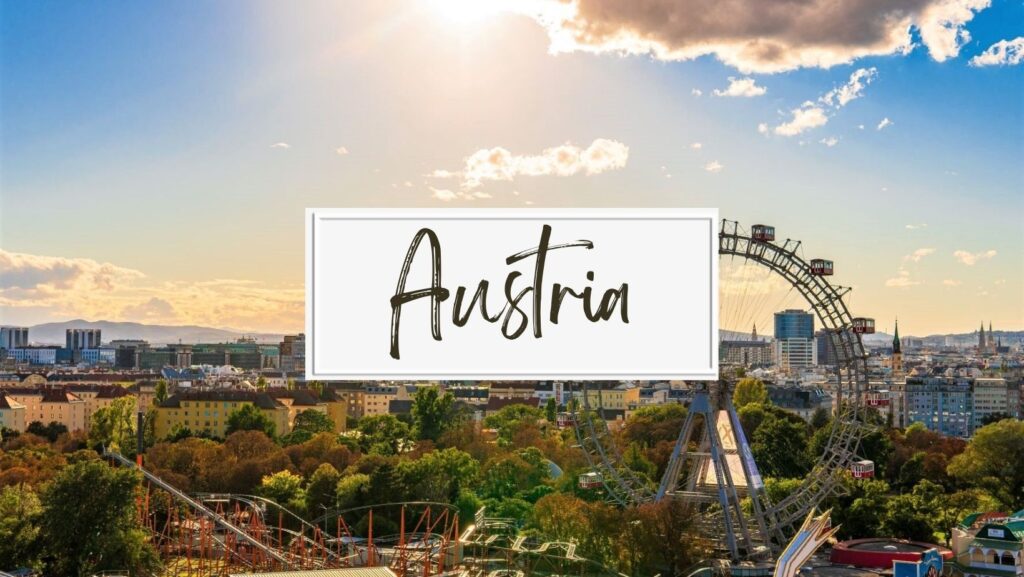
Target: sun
(466, 12)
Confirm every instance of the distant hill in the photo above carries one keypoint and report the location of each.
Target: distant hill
(53, 333)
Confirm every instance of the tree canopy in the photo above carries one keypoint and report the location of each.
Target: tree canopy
(250, 418)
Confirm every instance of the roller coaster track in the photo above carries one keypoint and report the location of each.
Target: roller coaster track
(262, 506)
(203, 510)
(624, 487)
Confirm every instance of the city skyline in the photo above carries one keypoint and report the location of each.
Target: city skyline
(156, 164)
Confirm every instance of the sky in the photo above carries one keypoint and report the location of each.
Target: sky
(156, 159)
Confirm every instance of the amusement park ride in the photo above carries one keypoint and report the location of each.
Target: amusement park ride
(711, 464)
(711, 467)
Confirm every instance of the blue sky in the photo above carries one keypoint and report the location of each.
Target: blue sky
(139, 177)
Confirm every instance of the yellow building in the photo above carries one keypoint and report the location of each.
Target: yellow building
(97, 397)
(513, 389)
(298, 401)
(615, 398)
(49, 404)
(12, 414)
(377, 399)
(208, 411)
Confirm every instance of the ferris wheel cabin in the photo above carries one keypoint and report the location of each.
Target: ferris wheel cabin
(863, 469)
(821, 267)
(763, 232)
(863, 326)
(565, 420)
(591, 480)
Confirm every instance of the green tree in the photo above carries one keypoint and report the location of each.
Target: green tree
(89, 522)
(507, 475)
(284, 488)
(751, 416)
(820, 418)
(351, 490)
(551, 410)
(382, 434)
(634, 459)
(508, 420)
(19, 517)
(653, 424)
(994, 461)
(911, 472)
(261, 383)
(160, 392)
(778, 489)
(114, 426)
(49, 432)
(749, 390)
(949, 509)
(860, 513)
(433, 413)
(314, 422)
(780, 448)
(322, 489)
(908, 516)
(250, 418)
(437, 475)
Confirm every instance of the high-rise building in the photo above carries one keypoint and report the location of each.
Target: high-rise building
(78, 339)
(793, 323)
(825, 349)
(794, 340)
(293, 353)
(13, 337)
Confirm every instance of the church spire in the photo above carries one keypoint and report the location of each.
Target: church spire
(896, 338)
(981, 336)
(754, 334)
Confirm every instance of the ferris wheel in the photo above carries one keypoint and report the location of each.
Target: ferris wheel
(711, 465)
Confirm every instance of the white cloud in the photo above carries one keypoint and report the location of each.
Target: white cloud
(696, 146)
(902, 280)
(1002, 53)
(714, 166)
(971, 258)
(498, 164)
(919, 254)
(762, 128)
(814, 114)
(942, 24)
(803, 119)
(341, 151)
(916, 226)
(951, 282)
(884, 123)
(830, 141)
(696, 92)
(742, 87)
(283, 145)
(860, 127)
(853, 89)
(755, 35)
